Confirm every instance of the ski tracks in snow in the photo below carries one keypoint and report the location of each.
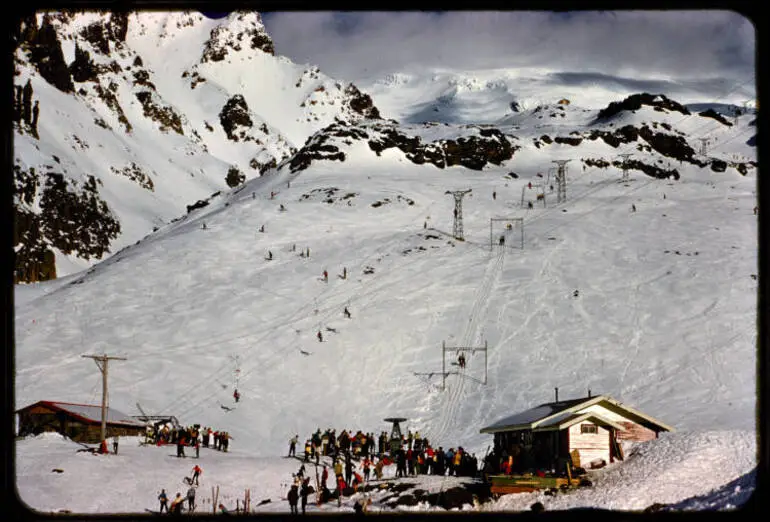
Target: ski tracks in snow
(470, 335)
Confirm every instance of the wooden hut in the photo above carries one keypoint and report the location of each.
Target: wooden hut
(585, 432)
(80, 422)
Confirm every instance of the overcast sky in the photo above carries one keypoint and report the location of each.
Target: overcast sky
(643, 45)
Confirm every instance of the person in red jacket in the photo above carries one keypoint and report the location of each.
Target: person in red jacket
(324, 476)
(357, 480)
(340, 487)
(196, 473)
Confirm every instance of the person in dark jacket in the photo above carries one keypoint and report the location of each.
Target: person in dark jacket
(348, 468)
(191, 499)
(163, 498)
(304, 491)
(293, 497)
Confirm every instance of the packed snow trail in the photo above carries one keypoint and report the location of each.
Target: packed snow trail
(470, 335)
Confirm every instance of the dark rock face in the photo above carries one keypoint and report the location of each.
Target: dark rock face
(668, 145)
(198, 204)
(568, 141)
(473, 152)
(317, 148)
(235, 118)
(82, 68)
(45, 53)
(111, 101)
(73, 219)
(650, 170)
(77, 222)
(635, 102)
(96, 35)
(165, 116)
(234, 177)
(135, 173)
(718, 165)
(711, 113)
(361, 103)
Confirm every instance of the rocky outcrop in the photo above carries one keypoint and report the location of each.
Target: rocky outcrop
(361, 103)
(243, 30)
(635, 102)
(166, 117)
(72, 218)
(82, 68)
(234, 177)
(135, 173)
(568, 141)
(316, 148)
(711, 113)
(109, 98)
(235, 120)
(473, 152)
(45, 52)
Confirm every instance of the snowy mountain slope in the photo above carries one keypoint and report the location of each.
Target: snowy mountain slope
(487, 95)
(663, 319)
(162, 110)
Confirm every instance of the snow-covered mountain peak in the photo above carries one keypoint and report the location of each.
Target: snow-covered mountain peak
(240, 32)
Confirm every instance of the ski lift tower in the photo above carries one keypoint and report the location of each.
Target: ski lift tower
(395, 434)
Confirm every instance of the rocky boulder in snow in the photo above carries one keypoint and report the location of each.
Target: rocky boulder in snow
(711, 113)
(635, 102)
(235, 118)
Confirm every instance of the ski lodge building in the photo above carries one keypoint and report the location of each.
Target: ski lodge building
(586, 431)
(79, 422)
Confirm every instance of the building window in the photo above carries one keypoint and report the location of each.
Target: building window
(589, 428)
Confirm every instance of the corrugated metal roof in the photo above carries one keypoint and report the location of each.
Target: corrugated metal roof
(92, 413)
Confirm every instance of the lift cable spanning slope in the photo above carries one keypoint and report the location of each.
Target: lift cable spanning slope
(470, 335)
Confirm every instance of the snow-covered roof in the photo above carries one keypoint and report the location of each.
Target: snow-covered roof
(527, 419)
(89, 413)
(562, 414)
(567, 419)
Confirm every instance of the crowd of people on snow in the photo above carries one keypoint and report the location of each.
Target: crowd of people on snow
(190, 436)
(415, 457)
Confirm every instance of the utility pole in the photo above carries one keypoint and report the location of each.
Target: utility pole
(457, 232)
(102, 362)
(561, 180)
(625, 165)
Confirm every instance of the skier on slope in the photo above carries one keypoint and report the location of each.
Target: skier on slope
(176, 504)
(191, 499)
(320, 336)
(236, 395)
(304, 491)
(326, 276)
(293, 445)
(163, 501)
(346, 312)
(196, 473)
(292, 497)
